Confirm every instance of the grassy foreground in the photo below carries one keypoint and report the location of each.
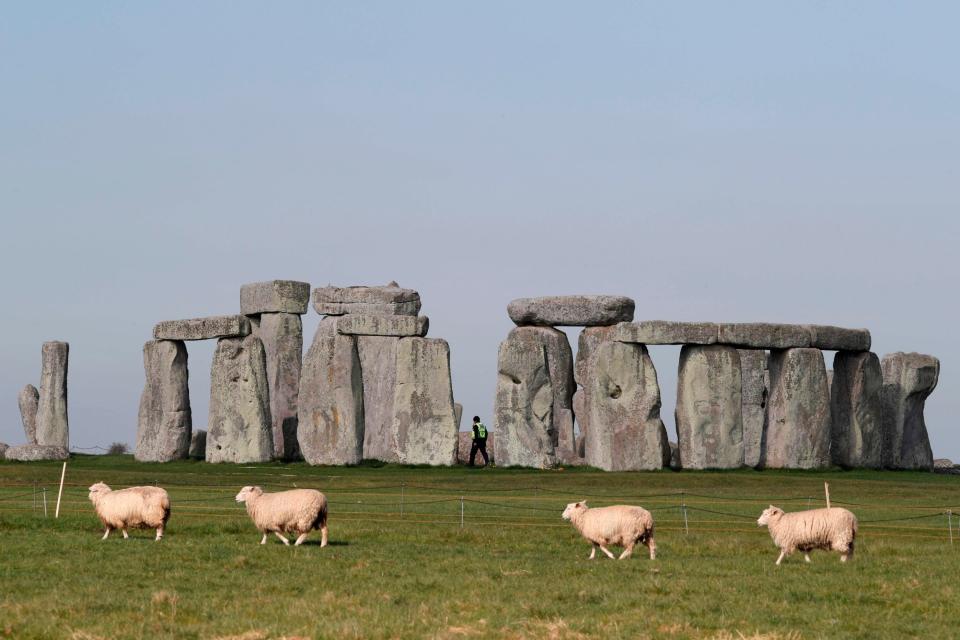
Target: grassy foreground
(513, 570)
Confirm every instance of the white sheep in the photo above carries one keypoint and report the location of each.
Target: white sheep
(831, 529)
(136, 507)
(622, 525)
(295, 511)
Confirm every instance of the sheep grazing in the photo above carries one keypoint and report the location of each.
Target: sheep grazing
(622, 525)
(136, 507)
(295, 511)
(828, 529)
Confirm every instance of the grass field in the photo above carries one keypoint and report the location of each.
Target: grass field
(514, 569)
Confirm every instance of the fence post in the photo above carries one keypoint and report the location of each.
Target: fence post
(683, 509)
(63, 474)
(44, 502)
(950, 525)
(402, 486)
(461, 512)
(826, 491)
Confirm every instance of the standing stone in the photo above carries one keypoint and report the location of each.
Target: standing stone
(164, 421)
(590, 338)
(856, 409)
(198, 444)
(458, 414)
(52, 427)
(753, 391)
(623, 403)
(424, 419)
(797, 426)
(29, 399)
(582, 419)
(240, 428)
(709, 408)
(378, 362)
(282, 337)
(908, 379)
(523, 408)
(331, 399)
(576, 311)
(560, 370)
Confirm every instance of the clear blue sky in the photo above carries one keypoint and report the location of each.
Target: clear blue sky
(739, 161)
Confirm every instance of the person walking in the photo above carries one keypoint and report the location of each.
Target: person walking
(479, 442)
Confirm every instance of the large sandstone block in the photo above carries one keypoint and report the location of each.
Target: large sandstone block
(274, 296)
(908, 380)
(763, 335)
(396, 326)
(622, 400)
(576, 311)
(856, 409)
(709, 408)
(52, 425)
(282, 337)
(32, 452)
(828, 338)
(375, 301)
(753, 391)
(664, 332)
(331, 399)
(797, 426)
(202, 328)
(523, 408)
(164, 421)
(29, 400)
(424, 418)
(240, 428)
(378, 364)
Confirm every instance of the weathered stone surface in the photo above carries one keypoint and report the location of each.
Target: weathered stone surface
(331, 399)
(753, 391)
(423, 412)
(31, 452)
(29, 400)
(375, 301)
(908, 379)
(797, 426)
(282, 337)
(52, 425)
(838, 339)
(856, 410)
(665, 332)
(622, 399)
(164, 422)
(674, 455)
(240, 428)
(709, 408)
(763, 335)
(458, 414)
(572, 311)
(274, 296)
(378, 364)
(202, 328)
(466, 443)
(581, 417)
(198, 444)
(523, 408)
(587, 343)
(397, 326)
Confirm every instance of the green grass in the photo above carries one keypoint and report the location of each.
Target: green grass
(515, 569)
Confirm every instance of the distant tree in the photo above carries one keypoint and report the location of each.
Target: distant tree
(118, 448)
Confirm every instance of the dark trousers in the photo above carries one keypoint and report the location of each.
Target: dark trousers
(481, 446)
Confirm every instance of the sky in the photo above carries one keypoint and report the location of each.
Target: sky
(737, 161)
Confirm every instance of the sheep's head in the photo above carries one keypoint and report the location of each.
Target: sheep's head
(97, 490)
(248, 492)
(769, 514)
(574, 507)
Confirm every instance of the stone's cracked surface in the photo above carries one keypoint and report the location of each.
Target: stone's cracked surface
(424, 418)
(396, 326)
(797, 425)
(282, 337)
(164, 421)
(908, 380)
(274, 296)
(856, 409)
(29, 400)
(622, 399)
(666, 332)
(331, 399)
(376, 301)
(378, 364)
(753, 391)
(745, 335)
(572, 311)
(240, 428)
(52, 425)
(198, 444)
(709, 408)
(32, 452)
(207, 328)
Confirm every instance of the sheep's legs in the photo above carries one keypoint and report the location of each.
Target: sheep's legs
(843, 557)
(159, 534)
(285, 541)
(782, 554)
(264, 540)
(106, 533)
(806, 557)
(125, 535)
(300, 539)
(323, 535)
(627, 552)
(652, 545)
(607, 551)
(593, 552)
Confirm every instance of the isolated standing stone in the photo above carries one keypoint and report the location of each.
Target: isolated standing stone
(797, 426)
(29, 399)
(274, 296)
(378, 364)
(424, 419)
(164, 422)
(331, 399)
(856, 409)
(375, 301)
(908, 379)
(622, 399)
(52, 425)
(198, 444)
(576, 311)
(240, 428)
(202, 328)
(753, 391)
(282, 337)
(709, 408)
